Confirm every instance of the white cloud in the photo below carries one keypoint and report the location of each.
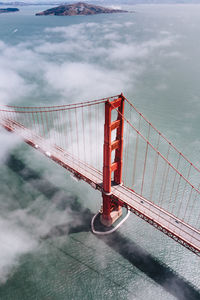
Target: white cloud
(12, 86)
(113, 36)
(14, 242)
(22, 230)
(98, 49)
(84, 80)
(8, 142)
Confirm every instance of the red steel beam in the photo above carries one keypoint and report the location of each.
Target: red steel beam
(109, 146)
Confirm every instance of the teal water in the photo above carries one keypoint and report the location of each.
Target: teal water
(47, 248)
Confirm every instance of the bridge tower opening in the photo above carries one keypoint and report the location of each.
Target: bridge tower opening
(112, 171)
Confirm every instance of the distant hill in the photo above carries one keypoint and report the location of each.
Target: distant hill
(8, 10)
(79, 8)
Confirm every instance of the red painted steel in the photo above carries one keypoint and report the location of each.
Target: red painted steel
(109, 146)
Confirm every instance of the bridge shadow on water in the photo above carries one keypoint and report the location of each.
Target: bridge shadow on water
(167, 278)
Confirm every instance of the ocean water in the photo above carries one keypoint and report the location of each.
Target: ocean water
(47, 250)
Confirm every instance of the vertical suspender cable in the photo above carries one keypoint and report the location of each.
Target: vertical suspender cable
(145, 161)
(71, 134)
(136, 153)
(77, 137)
(172, 190)
(164, 179)
(41, 117)
(83, 128)
(176, 194)
(154, 169)
(192, 206)
(127, 152)
(96, 136)
(183, 194)
(188, 201)
(90, 134)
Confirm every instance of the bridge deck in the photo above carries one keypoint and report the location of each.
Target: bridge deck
(162, 220)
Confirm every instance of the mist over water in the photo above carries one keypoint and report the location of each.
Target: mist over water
(46, 248)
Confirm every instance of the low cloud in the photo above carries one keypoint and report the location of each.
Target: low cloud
(9, 142)
(14, 242)
(90, 79)
(10, 82)
(22, 230)
(93, 60)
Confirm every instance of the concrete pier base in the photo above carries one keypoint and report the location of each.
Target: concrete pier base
(114, 216)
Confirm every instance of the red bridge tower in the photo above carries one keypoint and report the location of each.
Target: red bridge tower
(111, 210)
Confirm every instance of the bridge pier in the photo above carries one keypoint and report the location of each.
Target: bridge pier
(112, 171)
(111, 212)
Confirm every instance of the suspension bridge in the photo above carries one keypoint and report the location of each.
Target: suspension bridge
(110, 145)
